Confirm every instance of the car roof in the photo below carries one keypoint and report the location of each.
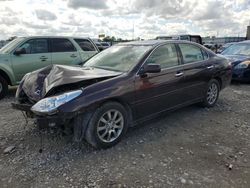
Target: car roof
(245, 41)
(152, 42)
(55, 37)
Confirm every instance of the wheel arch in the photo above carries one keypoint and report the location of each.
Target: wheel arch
(5, 76)
(123, 103)
(219, 80)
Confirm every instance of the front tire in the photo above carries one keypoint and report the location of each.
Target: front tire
(107, 126)
(212, 93)
(3, 87)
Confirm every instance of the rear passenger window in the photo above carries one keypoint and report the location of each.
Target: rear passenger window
(85, 44)
(165, 55)
(62, 45)
(191, 53)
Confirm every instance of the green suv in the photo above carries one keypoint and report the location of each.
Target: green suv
(26, 54)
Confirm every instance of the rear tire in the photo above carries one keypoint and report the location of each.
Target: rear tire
(212, 94)
(3, 87)
(107, 126)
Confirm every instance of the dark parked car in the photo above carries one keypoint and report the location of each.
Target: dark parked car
(126, 84)
(105, 45)
(225, 46)
(99, 46)
(239, 56)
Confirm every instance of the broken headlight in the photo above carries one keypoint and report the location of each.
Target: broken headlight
(50, 104)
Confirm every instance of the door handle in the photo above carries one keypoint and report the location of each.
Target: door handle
(178, 74)
(43, 58)
(73, 56)
(210, 67)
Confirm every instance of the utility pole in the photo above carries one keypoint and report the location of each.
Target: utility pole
(133, 30)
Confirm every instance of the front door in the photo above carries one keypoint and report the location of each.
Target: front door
(36, 56)
(157, 92)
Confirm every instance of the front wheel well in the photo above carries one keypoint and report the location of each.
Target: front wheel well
(219, 80)
(123, 103)
(5, 76)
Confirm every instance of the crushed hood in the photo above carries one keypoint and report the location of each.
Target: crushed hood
(36, 85)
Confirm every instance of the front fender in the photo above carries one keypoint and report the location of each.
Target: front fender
(121, 89)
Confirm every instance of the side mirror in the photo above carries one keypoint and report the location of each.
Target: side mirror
(20, 51)
(152, 68)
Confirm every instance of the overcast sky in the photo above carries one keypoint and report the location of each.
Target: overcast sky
(150, 18)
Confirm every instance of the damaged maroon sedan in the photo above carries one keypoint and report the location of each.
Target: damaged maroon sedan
(122, 86)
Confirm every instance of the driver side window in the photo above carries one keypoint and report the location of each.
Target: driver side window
(165, 55)
(35, 46)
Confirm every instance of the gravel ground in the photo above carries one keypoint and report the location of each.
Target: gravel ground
(191, 147)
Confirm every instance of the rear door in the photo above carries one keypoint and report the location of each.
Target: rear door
(87, 48)
(197, 70)
(64, 52)
(157, 92)
(37, 56)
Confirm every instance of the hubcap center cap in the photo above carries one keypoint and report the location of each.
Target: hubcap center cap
(110, 125)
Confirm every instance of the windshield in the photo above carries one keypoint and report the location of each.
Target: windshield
(118, 58)
(9, 47)
(237, 49)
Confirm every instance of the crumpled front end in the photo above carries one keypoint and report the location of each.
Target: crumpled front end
(42, 93)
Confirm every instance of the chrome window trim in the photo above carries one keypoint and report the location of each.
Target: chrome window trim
(180, 65)
(137, 73)
(201, 49)
(28, 39)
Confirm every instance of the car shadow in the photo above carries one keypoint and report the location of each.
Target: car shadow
(53, 140)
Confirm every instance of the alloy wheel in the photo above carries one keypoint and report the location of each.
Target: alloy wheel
(212, 93)
(110, 126)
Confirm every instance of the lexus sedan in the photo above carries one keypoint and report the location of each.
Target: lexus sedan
(239, 56)
(122, 86)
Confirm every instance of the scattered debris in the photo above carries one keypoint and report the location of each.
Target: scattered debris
(141, 141)
(143, 155)
(230, 167)
(183, 181)
(9, 150)
(219, 153)
(241, 153)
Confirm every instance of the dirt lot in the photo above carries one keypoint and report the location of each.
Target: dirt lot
(192, 147)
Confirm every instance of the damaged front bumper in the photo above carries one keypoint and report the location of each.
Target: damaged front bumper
(43, 121)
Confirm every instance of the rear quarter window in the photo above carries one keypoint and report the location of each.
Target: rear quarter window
(191, 53)
(85, 44)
